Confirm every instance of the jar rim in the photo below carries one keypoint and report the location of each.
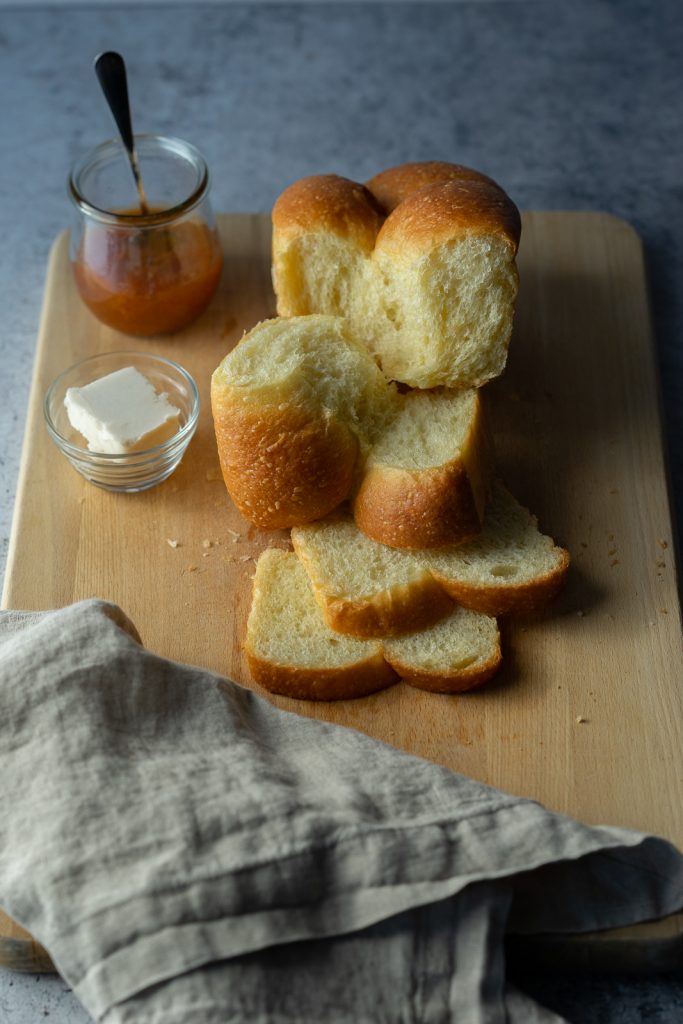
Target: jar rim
(113, 147)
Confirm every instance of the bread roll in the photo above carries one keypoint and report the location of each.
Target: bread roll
(421, 260)
(294, 406)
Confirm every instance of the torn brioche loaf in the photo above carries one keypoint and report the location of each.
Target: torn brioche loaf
(421, 260)
(368, 589)
(291, 651)
(305, 419)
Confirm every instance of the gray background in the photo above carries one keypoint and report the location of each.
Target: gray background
(568, 105)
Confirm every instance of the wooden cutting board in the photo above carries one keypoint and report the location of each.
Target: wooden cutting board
(587, 713)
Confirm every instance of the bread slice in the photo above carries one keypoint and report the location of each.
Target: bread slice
(289, 648)
(510, 567)
(421, 261)
(304, 418)
(363, 587)
(427, 474)
(460, 652)
(291, 651)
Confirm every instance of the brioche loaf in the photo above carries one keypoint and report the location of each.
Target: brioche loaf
(421, 260)
(368, 589)
(291, 651)
(304, 419)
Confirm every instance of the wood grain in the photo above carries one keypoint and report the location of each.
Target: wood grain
(578, 432)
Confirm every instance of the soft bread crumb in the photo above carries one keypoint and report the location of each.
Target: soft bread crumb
(173, 543)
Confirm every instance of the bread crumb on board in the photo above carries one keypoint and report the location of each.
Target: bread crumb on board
(172, 543)
(580, 720)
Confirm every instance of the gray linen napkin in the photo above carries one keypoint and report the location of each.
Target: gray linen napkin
(189, 853)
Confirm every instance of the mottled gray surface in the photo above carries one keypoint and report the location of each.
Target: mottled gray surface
(568, 105)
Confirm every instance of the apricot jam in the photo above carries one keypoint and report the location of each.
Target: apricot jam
(148, 280)
(144, 271)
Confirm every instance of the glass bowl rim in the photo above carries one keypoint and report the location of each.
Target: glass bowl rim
(116, 458)
(170, 143)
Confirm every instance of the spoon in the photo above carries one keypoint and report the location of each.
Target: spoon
(111, 74)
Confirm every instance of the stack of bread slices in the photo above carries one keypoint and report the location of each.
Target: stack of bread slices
(356, 418)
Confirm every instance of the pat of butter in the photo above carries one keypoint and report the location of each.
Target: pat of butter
(121, 413)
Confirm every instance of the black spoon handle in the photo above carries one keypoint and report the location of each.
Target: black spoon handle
(110, 69)
(111, 74)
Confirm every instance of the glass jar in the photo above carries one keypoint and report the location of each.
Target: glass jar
(147, 273)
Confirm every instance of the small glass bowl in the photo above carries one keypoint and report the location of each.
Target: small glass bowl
(134, 471)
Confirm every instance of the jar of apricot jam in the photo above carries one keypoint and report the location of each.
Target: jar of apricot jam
(152, 272)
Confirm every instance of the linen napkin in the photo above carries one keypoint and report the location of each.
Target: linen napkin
(187, 852)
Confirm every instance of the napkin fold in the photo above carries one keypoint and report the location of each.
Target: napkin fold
(187, 852)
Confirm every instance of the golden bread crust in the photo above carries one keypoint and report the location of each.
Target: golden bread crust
(328, 202)
(392, 186)
(419, 205)
(282, 464)
(447, 211)
(358, 680)
(417, 509)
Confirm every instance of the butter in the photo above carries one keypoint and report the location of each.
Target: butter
(121, 413)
